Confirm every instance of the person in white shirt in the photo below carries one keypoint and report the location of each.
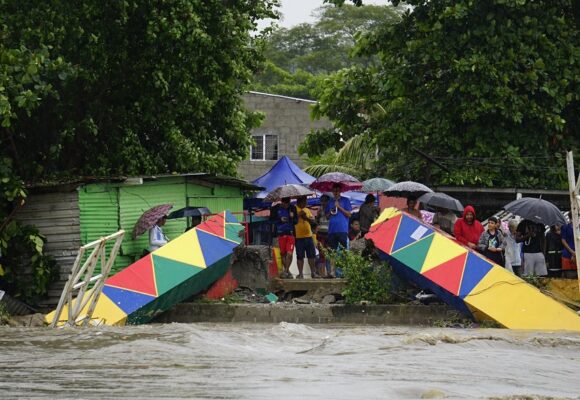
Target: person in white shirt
(156, 236)
(513, 250)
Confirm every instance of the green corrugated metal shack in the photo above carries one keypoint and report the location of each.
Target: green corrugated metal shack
(74, 214)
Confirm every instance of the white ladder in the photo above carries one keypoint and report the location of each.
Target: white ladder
(82, 276)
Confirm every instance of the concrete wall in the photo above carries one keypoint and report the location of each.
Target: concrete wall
(287, 117)
(309, 314)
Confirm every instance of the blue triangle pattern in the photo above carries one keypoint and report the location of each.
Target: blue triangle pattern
(213, 247)
(409, 227)
(475, 269)
(127, 300)
(230, 217)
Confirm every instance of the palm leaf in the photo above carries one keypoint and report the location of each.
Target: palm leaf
(358, 152)
(321, 169)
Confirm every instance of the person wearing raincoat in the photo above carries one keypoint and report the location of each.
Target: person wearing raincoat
(468, 229)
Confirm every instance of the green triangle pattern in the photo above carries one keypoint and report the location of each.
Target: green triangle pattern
(232, 232)
(414, 255)
(171, 273)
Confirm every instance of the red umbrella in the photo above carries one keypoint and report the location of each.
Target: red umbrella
(149, 218)
(347, 182)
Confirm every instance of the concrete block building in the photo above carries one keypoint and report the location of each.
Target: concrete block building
(286, 124)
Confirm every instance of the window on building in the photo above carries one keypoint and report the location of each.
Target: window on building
(265, 148)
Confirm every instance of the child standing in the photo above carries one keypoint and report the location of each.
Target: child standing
(492, 242)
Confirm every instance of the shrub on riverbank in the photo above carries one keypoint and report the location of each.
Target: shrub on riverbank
(366, 280)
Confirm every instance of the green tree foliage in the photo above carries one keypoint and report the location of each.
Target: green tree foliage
(301, 57)
(104, 87)
(24, 83)
(152, 86)
(26, 272)
(489, 90)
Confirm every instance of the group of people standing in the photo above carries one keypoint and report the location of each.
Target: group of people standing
(296, 228)
(523, 248)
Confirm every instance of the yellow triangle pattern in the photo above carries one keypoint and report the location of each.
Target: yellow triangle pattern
(185, 249)
(106, 312)
(442, 249)
(387, 213)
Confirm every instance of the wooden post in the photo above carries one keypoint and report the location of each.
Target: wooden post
(574, 207)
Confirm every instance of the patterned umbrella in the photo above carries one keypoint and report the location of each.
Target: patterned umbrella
(290, 190)
(406, 189)
(377, 185)
(347, 182)
(148, 219)
(537, 210)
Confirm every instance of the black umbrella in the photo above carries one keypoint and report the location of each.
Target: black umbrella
(441, 200)
(189, 212)
(536, 210)
(406, 189)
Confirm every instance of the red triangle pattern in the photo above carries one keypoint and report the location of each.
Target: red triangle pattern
(383, 235)
(215, 225)
(448, 275)
(137, 277)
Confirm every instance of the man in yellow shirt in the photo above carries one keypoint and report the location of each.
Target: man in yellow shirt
(304, 242)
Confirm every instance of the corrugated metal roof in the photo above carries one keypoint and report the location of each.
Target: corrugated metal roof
(73, 184)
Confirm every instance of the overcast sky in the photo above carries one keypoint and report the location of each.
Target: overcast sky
(298, 11)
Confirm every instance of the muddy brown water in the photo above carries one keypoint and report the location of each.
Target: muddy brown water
(286, 361)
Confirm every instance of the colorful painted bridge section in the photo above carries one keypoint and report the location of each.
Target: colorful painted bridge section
(182, 268)
(463, 278)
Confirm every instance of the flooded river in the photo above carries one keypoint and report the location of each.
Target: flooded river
(286, 361)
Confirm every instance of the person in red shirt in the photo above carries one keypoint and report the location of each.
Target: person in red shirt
(467, 230)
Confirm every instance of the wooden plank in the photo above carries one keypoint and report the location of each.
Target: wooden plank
(48, 215)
